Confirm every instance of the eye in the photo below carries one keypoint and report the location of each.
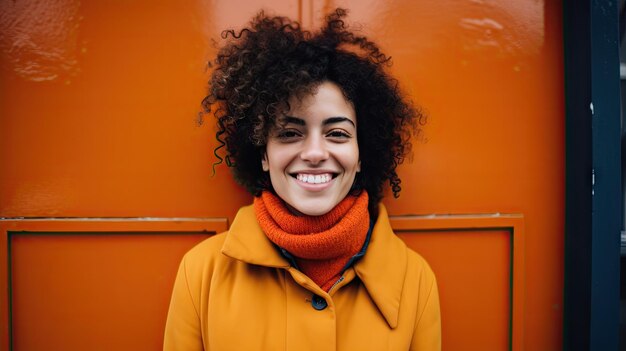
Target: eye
(286, 135)
(338, 134)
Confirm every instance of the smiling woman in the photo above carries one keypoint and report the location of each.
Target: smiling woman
(313, 159)
(313, 127)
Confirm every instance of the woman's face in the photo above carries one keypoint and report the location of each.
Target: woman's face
(313, 159)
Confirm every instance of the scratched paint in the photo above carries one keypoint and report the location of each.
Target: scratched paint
(509, 28)
(39, 39)
(473, 30)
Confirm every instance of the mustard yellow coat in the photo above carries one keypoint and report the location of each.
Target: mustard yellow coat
(234, 291)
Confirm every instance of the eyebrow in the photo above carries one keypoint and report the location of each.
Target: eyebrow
(294, 120)
(327, 121)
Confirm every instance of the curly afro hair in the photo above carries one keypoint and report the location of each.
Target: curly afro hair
(261, 66)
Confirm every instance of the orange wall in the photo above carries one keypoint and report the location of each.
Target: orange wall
(99, 99)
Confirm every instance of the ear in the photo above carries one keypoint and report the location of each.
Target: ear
(358, 167)
(264, 164)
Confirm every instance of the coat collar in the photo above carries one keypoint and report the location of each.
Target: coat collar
(246, 242)
(382, 270)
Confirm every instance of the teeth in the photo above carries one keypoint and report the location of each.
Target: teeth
(314, 178)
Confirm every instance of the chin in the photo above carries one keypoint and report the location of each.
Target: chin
(314, 212)
(314, 208)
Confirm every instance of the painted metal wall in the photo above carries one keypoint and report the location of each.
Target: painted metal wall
(98, 119)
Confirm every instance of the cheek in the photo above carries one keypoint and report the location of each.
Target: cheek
(350, 164)
(354, 159)
(356, 165)
(276, 157)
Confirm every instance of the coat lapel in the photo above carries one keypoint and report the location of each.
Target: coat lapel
(383, 268)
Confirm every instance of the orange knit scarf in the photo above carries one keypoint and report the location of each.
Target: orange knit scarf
(321, 245)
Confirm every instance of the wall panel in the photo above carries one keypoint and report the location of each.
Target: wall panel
(92, 284)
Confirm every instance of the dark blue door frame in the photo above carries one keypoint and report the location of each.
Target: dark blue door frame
(593, 203)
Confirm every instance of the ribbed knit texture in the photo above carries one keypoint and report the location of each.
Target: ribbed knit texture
(321, 245)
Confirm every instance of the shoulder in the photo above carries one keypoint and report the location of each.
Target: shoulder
(204, 253)
(418, 267)
(416, 264)
(413, 270)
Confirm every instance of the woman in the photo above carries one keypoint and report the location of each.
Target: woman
(313, 127)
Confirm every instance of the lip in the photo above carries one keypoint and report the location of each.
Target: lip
(314, 171)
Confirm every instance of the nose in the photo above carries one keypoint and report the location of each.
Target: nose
(314, 150)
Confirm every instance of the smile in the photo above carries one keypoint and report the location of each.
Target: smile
(314, 178)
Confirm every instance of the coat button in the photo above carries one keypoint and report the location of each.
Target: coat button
(318, 302)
